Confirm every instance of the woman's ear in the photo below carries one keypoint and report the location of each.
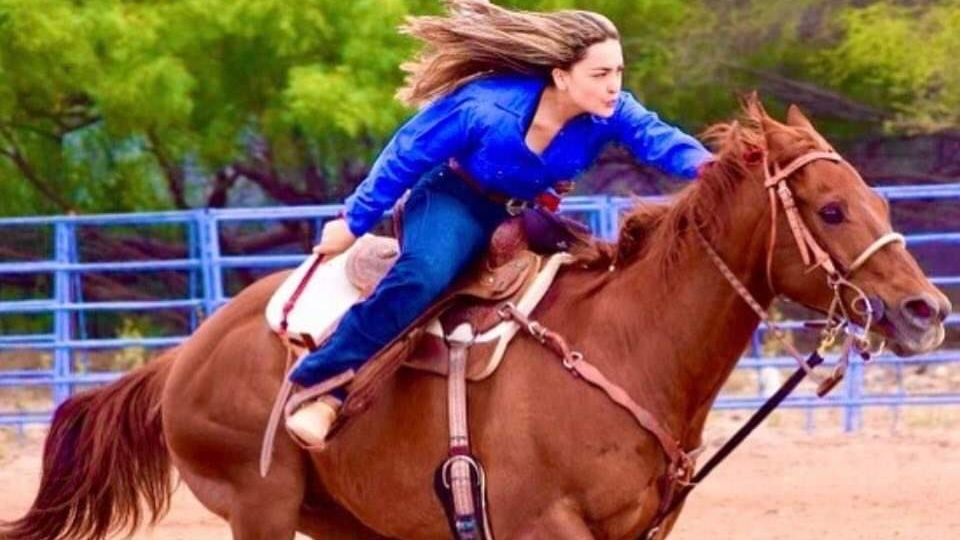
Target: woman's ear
(560, 78)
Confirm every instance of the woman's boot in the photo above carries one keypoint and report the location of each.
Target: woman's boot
(311, 423)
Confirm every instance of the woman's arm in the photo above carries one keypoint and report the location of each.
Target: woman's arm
(441, 130)
(656, 142)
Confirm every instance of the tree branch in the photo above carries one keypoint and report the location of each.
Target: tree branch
(316, 181)
(222, 182)
(172, 171)
(26, 169)
(76, 116)
(273, 186)
(813, 98)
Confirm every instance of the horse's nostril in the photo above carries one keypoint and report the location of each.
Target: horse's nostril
(877, 307)
(921, 308)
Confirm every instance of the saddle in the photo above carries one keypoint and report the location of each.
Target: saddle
(307, 307)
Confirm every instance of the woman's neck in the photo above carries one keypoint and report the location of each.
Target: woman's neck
(555, 109)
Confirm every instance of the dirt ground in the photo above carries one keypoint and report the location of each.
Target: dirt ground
(783, 483)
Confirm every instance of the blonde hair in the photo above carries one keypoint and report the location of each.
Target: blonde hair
(476, 37)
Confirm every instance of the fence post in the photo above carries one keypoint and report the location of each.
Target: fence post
(196, 274)
(65, 254)
(210, 261)
(611, 218)
(852, 391)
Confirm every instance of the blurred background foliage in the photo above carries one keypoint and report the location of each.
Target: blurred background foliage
(114, 106)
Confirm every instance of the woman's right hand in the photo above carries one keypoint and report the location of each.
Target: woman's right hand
(335, 239)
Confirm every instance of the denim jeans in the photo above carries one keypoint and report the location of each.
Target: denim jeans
(447, 226)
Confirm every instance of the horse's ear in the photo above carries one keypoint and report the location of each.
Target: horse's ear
(754, 110)
(796, 118)
(753, 107)
(774, 134)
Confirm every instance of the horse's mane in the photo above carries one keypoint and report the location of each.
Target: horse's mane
(659, 233)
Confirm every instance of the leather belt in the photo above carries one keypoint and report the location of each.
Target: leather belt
(513, 205)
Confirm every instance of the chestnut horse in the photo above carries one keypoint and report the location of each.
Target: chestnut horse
(563, 462)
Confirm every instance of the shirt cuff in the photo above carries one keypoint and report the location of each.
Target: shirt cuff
(357, 227)
(704, 165)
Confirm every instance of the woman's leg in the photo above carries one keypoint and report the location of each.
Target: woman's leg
(443, 233)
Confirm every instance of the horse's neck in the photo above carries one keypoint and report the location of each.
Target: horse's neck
(688, 335)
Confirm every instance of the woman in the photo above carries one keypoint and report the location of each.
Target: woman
(517, 103)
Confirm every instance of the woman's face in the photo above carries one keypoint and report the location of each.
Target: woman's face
(593, 84)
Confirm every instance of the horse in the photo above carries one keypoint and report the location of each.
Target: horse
(652, 311)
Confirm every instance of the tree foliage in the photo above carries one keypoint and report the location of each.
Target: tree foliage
(111, 105)
(902, 57)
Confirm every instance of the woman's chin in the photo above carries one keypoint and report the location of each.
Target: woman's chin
(604, 112)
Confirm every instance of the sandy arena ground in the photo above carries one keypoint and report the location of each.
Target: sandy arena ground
(784, 483)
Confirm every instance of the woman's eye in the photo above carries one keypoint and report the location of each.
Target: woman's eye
(832, 214)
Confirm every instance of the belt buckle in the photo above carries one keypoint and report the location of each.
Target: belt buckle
(516, 206)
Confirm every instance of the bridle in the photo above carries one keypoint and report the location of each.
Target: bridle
(814, 256)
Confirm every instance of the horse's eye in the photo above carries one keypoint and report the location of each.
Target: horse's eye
(832, 214)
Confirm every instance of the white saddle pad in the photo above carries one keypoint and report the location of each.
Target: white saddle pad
(324, 300)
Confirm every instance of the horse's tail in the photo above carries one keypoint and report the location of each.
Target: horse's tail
(104, 453)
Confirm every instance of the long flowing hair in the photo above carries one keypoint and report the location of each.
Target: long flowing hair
(475, 37)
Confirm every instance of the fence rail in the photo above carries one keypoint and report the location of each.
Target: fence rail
(205, 266)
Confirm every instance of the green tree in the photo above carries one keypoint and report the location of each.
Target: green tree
(108, 105)
(902, 57)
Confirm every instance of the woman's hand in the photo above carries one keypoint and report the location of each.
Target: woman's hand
(335, 239)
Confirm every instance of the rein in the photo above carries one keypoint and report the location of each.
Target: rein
(680, 477)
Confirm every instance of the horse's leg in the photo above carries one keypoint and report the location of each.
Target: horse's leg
(333, 522)
(249, 517)
(560, 522)
(254, 507)
(251, 520)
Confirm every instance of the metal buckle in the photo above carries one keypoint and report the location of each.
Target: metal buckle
(516, 206)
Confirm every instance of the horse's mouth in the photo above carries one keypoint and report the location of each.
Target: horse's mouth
(905, 339)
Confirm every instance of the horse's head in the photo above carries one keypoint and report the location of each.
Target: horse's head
(854, 262)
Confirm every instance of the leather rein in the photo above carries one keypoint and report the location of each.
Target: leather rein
(679, 476)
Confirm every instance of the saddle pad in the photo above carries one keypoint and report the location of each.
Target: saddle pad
(325, 298)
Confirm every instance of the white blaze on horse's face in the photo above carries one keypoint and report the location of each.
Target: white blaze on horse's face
(846, 217)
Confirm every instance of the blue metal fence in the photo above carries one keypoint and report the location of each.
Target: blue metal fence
(205, 265)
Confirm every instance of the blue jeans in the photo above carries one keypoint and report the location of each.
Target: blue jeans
(447, 226)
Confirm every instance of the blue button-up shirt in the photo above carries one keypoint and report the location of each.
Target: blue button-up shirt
(483, 124)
